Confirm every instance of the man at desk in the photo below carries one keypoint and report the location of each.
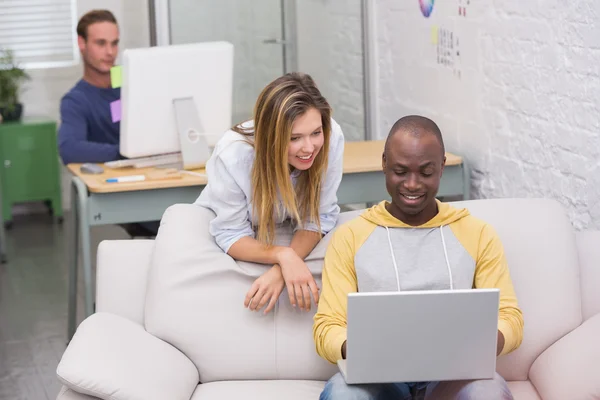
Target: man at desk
(87, 133)
(399, 245)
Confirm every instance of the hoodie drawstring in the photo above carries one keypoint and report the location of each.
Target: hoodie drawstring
(446, 256)
(396, 265)
(393, 257)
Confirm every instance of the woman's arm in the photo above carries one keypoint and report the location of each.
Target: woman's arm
(303, 242)
(268, 287)
(226, 197)
(298, 278)
(251, 250)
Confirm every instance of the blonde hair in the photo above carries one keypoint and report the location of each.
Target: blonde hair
(276, 109)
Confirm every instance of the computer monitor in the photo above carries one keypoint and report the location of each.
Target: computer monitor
(176, 99)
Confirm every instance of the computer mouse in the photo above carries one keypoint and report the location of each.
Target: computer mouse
(90, 168)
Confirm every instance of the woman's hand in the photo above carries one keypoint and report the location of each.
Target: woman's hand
(266, 288)
(298, 279)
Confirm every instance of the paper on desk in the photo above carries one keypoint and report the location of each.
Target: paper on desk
(115, 110)
(116, 77)
(163, 174)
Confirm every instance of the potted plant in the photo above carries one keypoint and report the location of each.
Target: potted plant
(11, 78)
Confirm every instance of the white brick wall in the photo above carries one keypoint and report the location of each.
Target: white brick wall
(526, 110)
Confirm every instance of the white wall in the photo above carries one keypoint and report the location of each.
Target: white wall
(245, 24)
(42, 94)
(329, 47)
(525, 109)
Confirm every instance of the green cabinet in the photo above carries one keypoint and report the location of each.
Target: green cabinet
(29, 165)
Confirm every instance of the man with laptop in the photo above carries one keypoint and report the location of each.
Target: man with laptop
(417, 299)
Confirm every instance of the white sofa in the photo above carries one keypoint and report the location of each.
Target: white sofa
(170, 314)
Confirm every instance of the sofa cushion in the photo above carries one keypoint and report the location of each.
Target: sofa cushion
(111, 357)
(588, 244)
(523, 390)
(541, 251)
(260, 390)
(570, 368)
(69, 394)
(195, 301)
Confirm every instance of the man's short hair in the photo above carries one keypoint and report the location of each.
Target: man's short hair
(94, 17)
(417, 125)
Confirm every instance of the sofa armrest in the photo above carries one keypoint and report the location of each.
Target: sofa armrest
(570, 368)
(588, 245)
(113, 358)
(68, 394)
(123, 267)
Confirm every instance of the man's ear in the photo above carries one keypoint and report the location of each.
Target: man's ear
(443, 165)
(383, 161)
(81, 43)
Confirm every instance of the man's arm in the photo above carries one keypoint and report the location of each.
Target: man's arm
(73, 145)
(339, 279)
(491, 271)
(500, 343)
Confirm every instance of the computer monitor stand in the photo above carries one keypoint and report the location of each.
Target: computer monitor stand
(194, 146)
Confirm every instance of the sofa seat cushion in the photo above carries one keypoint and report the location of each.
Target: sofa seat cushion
(259, 390)
(523, 390)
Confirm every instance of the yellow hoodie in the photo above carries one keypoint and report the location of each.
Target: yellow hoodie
(376, 252)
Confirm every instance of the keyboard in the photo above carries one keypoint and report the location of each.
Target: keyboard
(144, 162)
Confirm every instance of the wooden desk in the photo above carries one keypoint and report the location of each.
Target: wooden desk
(95, 202)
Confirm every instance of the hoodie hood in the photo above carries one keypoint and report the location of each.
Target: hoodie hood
(446, 215)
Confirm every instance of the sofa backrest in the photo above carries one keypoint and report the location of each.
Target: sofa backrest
(541, 251)
(195, 301)
(196, 292)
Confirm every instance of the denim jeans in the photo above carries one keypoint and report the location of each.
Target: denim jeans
(485, 389)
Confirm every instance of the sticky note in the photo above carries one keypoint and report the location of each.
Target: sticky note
(434, 35)
(116, 77)
(115, 110)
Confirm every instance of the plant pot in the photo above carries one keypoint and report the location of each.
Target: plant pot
(14, 114)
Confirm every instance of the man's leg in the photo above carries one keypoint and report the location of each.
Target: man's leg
(484, 389)
(337, 389)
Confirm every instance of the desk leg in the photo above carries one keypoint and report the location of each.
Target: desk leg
(2, 233)
(2, 242)
(466, 180)
(84, 232)
(73, 262)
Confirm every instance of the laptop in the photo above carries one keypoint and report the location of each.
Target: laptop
(421, 336)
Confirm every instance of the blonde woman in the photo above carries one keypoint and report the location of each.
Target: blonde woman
(285, 164)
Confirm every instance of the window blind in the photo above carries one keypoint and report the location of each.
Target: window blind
(41, 33)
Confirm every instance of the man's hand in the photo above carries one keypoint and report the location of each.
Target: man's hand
(500, 344)
(344, 350)
(298, 279)
(266, 288)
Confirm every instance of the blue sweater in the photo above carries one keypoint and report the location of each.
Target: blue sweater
(87, 133)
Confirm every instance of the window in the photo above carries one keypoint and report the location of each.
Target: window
(40, 32)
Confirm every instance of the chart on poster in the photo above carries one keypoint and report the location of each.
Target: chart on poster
(438, 55)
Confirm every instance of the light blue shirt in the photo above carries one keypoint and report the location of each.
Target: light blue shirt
(229, 191)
